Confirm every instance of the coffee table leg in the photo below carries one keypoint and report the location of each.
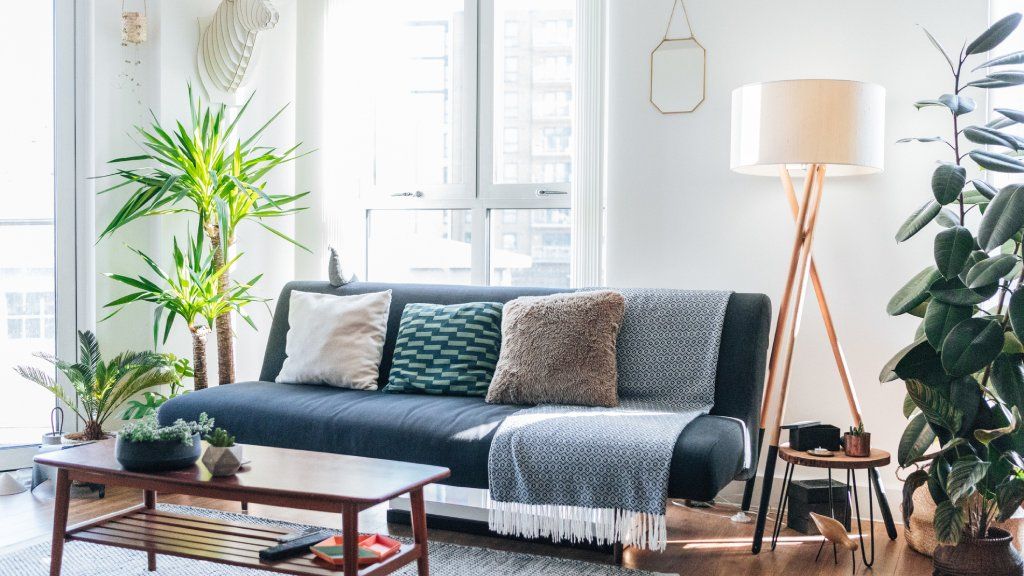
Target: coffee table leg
(419, 529)
(350, 532)
(149, 500)
(60, 520)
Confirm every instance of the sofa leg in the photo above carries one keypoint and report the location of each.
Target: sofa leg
(748, 490)
(617, 553)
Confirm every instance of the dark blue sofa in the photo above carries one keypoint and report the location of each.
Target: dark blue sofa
(456, 432)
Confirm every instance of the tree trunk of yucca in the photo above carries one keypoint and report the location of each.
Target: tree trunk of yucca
(199, 334)
(93, 431)
(225, 333)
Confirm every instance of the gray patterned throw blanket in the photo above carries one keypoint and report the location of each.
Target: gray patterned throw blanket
(601, 474)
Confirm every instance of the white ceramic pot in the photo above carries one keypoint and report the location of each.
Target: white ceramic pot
(223, 461)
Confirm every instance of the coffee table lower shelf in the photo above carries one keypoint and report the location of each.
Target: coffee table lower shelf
(220, 541)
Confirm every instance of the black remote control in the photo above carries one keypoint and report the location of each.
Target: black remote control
(293, 548)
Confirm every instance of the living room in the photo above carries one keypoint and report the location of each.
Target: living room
(512, 287)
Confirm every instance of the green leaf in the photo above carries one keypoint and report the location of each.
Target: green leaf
(1007, 59)
(958, 105)
(921, 362)
(952, 247)
(1015, 115)
(972, 261)
(938, 47)
(971, 345)
(908, 406)
(1016, 313)
(941, 318)
(1008, 380)
(948, 181)
(1003, 218)
(990, 271)
(949, 523)
(965, 394)
(997, 162)
(964, 477)
(913, 292)
(995, 35)
(922, 139)
(947, 219)
(918, 220)
(938, 409)
(888, 373)
(983, 135)
(954, 291)
(985, 189)
(987, 436)
(1010, 77)
(1009, 497)
(916, 439)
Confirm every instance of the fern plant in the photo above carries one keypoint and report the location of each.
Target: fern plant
(964, 372)
(100, 386)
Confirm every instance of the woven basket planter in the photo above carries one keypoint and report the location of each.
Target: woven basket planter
(920, 532)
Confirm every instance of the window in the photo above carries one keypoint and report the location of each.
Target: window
(535, 247)
(470, 118)
(30, 173)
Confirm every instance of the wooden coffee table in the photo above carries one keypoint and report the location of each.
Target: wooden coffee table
(276, 477)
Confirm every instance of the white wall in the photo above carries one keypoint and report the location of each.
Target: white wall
(677, 216)
(127, 82)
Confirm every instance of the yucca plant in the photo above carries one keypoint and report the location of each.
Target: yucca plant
(100, 387)
(206, 170)
(192, 292)
(964, 372)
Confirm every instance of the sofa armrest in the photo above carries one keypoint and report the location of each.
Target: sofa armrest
(742, 357)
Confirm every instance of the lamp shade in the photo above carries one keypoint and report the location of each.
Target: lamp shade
(839, 123)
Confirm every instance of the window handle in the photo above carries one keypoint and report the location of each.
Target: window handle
(416, 194)
(543, 192)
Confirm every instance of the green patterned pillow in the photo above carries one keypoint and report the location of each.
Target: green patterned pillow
(449, 350)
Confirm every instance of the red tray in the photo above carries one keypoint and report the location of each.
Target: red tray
(372, 549)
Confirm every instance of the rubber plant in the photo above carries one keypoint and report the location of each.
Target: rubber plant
(192, 292)
(964, 372)
(207, 170)
(100, 386)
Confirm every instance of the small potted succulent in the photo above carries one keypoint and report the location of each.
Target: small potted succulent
(145, 446)
(857, 442)
(222, 457)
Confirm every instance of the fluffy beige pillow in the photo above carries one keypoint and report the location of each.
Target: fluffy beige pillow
(335, 340)
(559, 349)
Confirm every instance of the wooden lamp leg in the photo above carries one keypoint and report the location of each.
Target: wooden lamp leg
(837, 349)
(798, 266)
(801, 255)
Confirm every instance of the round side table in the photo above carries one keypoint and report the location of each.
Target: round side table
(839, 461)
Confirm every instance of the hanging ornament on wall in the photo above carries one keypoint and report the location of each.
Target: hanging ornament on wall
(133, 24)
(229, 46)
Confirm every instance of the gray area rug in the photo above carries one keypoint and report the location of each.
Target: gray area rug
(85, 559)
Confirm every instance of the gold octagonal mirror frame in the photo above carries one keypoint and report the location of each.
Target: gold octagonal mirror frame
(663, 79)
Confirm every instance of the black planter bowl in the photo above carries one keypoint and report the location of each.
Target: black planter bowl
(157, 456)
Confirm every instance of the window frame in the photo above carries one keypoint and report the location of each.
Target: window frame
(478, 192)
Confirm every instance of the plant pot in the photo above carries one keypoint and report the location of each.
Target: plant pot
(857, 445)
(223, 461)
(158, 455)
(992, 556)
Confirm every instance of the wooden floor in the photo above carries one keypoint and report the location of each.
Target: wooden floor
(702, 542)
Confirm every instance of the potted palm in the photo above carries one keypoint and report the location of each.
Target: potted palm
(100, 386)
(206, 170)
(192, 292)
(964, 372)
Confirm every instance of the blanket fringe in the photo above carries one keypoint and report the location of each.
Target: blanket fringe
(576, 524)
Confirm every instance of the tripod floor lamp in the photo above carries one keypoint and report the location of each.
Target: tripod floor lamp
(816, 127)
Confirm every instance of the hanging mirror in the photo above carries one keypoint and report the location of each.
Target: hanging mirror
(677, 70)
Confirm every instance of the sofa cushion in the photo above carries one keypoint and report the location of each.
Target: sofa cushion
(450, 431)
(559, 349)
(446, 349)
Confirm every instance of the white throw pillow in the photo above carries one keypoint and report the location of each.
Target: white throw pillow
(335, 340)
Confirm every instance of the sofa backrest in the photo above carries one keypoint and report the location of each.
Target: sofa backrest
(741, 358)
